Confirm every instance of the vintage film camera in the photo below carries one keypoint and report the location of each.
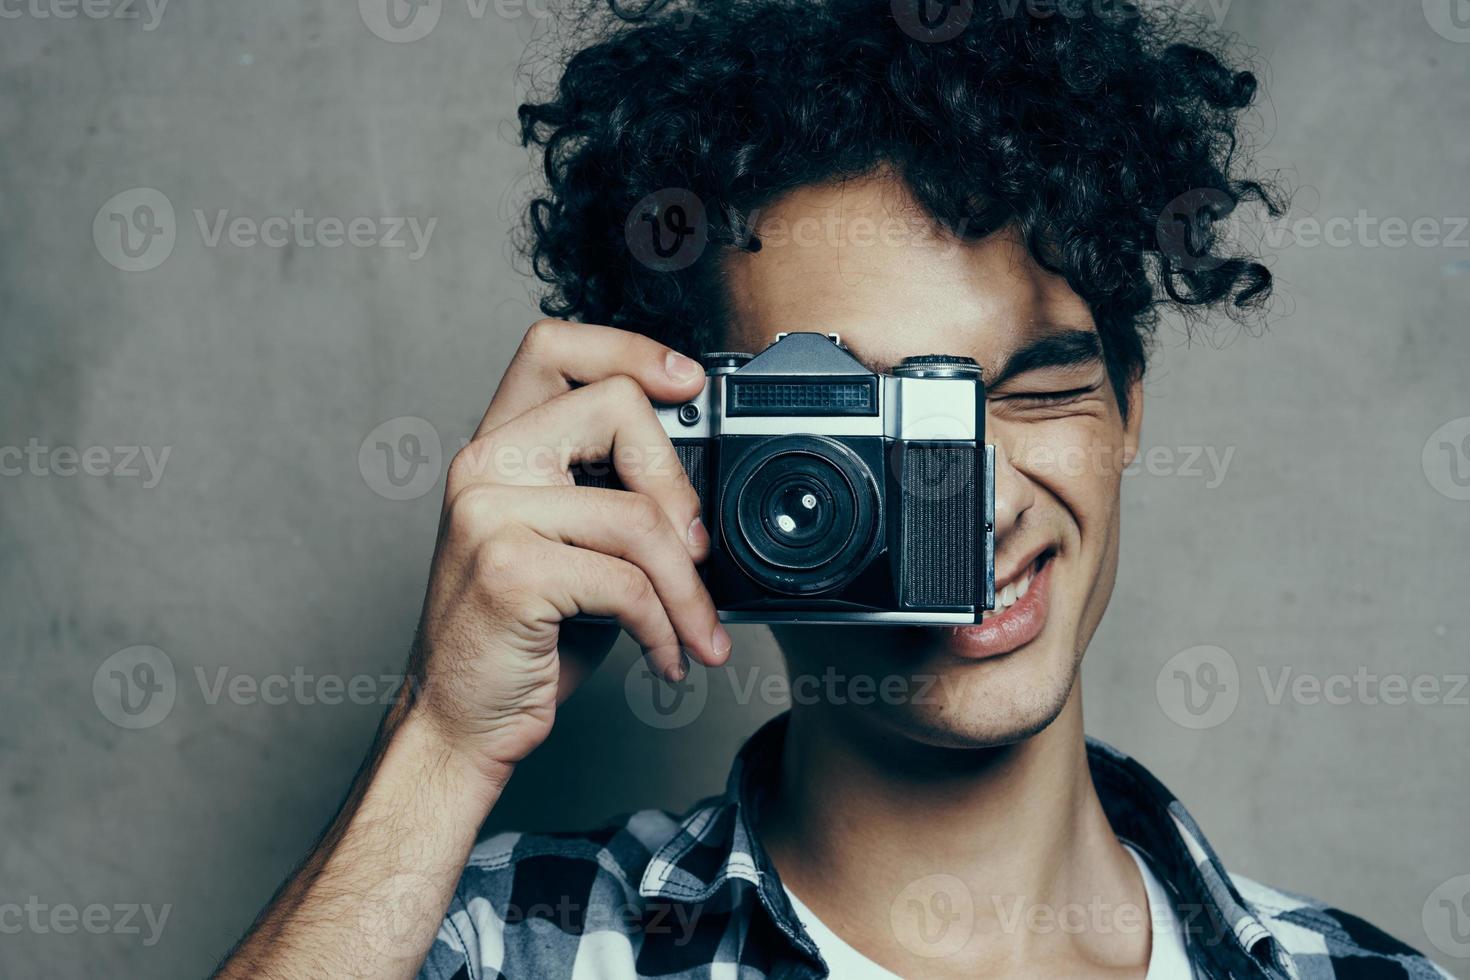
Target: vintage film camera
(836, 495)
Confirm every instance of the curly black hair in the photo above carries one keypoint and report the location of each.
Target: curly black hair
(1101, 131)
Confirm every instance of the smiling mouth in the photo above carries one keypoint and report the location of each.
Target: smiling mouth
(1020, 613)
(1008, 595)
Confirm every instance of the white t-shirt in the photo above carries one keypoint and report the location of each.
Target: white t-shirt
(1167, 959)
(843, 962)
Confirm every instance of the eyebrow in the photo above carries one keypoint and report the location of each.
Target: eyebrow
(1066, 348)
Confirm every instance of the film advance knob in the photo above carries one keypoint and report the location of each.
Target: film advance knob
(724, 360)
(937, 366)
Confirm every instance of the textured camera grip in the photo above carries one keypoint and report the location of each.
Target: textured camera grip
(938, 531)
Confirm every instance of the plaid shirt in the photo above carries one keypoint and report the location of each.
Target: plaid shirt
(657, 896)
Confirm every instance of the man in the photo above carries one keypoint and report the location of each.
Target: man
(1014, 184)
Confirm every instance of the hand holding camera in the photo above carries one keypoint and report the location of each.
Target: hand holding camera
(811, 489)
(521, 549)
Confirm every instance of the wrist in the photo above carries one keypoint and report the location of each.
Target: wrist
(436, 752)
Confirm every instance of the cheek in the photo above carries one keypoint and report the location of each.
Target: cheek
(1075, 463)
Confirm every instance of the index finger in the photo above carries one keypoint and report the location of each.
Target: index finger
(557, 355)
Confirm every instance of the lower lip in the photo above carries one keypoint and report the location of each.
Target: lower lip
(1012, 629)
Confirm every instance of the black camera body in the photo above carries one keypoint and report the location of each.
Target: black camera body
(836, 495)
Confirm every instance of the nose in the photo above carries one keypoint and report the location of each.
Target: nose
(1014, 494)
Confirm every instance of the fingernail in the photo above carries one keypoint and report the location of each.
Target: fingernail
(698, 534)
(721, 641)
(680, 670)
(681, 368)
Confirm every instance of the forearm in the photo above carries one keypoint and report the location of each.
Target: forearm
(369, 899)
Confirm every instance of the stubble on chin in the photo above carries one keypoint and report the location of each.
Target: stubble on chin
(972, 705)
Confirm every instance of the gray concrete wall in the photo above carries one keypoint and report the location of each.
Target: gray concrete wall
(1333, 543)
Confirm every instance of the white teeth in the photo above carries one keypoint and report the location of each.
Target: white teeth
(1007, 596)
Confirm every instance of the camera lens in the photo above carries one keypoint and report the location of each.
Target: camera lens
(804, 514)
(796, 514)
(799, 513)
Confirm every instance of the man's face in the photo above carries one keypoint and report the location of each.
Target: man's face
(860, 259)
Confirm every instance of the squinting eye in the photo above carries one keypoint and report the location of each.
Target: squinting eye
(1051, 397)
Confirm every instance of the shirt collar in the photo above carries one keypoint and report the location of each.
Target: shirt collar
(716, 846)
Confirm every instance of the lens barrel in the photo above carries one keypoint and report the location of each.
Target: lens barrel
(801, 514)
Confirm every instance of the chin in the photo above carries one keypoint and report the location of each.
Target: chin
(951, 701)
(991, 704)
